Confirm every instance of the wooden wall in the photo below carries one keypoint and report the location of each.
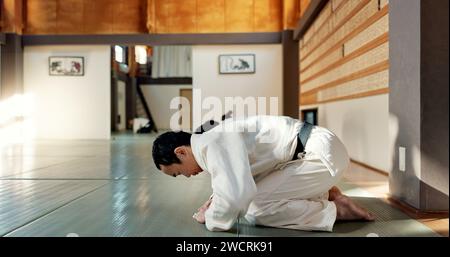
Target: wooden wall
(11, 16)
(84, 16)
(345, 53)
(303, 7)
(149, 16)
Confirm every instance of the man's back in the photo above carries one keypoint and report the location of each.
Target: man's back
(268, 140)
(271, 140)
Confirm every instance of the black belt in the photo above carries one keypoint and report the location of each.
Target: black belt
(302, 137)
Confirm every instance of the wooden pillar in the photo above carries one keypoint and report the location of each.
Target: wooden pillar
(290, 74)
(11, 66)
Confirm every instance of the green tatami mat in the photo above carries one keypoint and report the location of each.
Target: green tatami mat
(389, 222)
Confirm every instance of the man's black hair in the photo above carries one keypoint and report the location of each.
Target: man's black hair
(165, 144)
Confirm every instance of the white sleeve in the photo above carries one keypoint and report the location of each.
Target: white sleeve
(232, 182)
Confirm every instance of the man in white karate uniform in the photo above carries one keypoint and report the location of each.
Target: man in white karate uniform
(258, 172)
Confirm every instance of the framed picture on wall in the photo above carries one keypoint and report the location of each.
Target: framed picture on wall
(236, 63)
(66, 66)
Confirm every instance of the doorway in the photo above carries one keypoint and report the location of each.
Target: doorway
(187, 93)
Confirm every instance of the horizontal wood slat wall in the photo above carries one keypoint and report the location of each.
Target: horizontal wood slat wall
(149, 16)
(345, 53)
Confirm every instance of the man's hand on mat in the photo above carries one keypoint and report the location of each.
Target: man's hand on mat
(200, 215)
(206, 205)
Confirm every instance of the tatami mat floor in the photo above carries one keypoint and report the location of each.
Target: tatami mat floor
(111, 188)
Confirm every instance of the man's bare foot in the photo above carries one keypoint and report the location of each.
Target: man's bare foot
(333, 193)
(349, 210)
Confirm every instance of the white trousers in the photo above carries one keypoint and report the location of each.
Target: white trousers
(295, 197)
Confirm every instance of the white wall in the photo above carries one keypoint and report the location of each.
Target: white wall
(266, 82)
(69, 107)
(362, 125)
(158, 98)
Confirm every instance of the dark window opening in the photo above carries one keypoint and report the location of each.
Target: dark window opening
(310, 116)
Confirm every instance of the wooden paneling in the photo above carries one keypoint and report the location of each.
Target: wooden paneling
(357, 95)
(69, 16)
(319, 22)
(338, 19)
(267, 15)
(239, 15)
(41, 17)
(345, 52)
(304, 4)
(377, 29)
(291, 13)
(155, 16)
(341, 43)
(185, 18)
(336, 3)
(163, 15)
(337, 33)
(85, 16)
(11, 16)
(326, 61)
(370, 83)
(204, 16)
(129, 16)
(370, 58)
(353, 76)
(383, 3)
(307, 99)
(348, 57)
(173, 17)
(151, 17)
(210, 16)
(98, 16)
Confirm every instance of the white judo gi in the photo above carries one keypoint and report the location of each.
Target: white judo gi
(256, 178)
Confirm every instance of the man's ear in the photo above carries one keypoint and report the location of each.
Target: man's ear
(180, 151)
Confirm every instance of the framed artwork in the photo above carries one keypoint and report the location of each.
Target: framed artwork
(66, 66)
(236, 63)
